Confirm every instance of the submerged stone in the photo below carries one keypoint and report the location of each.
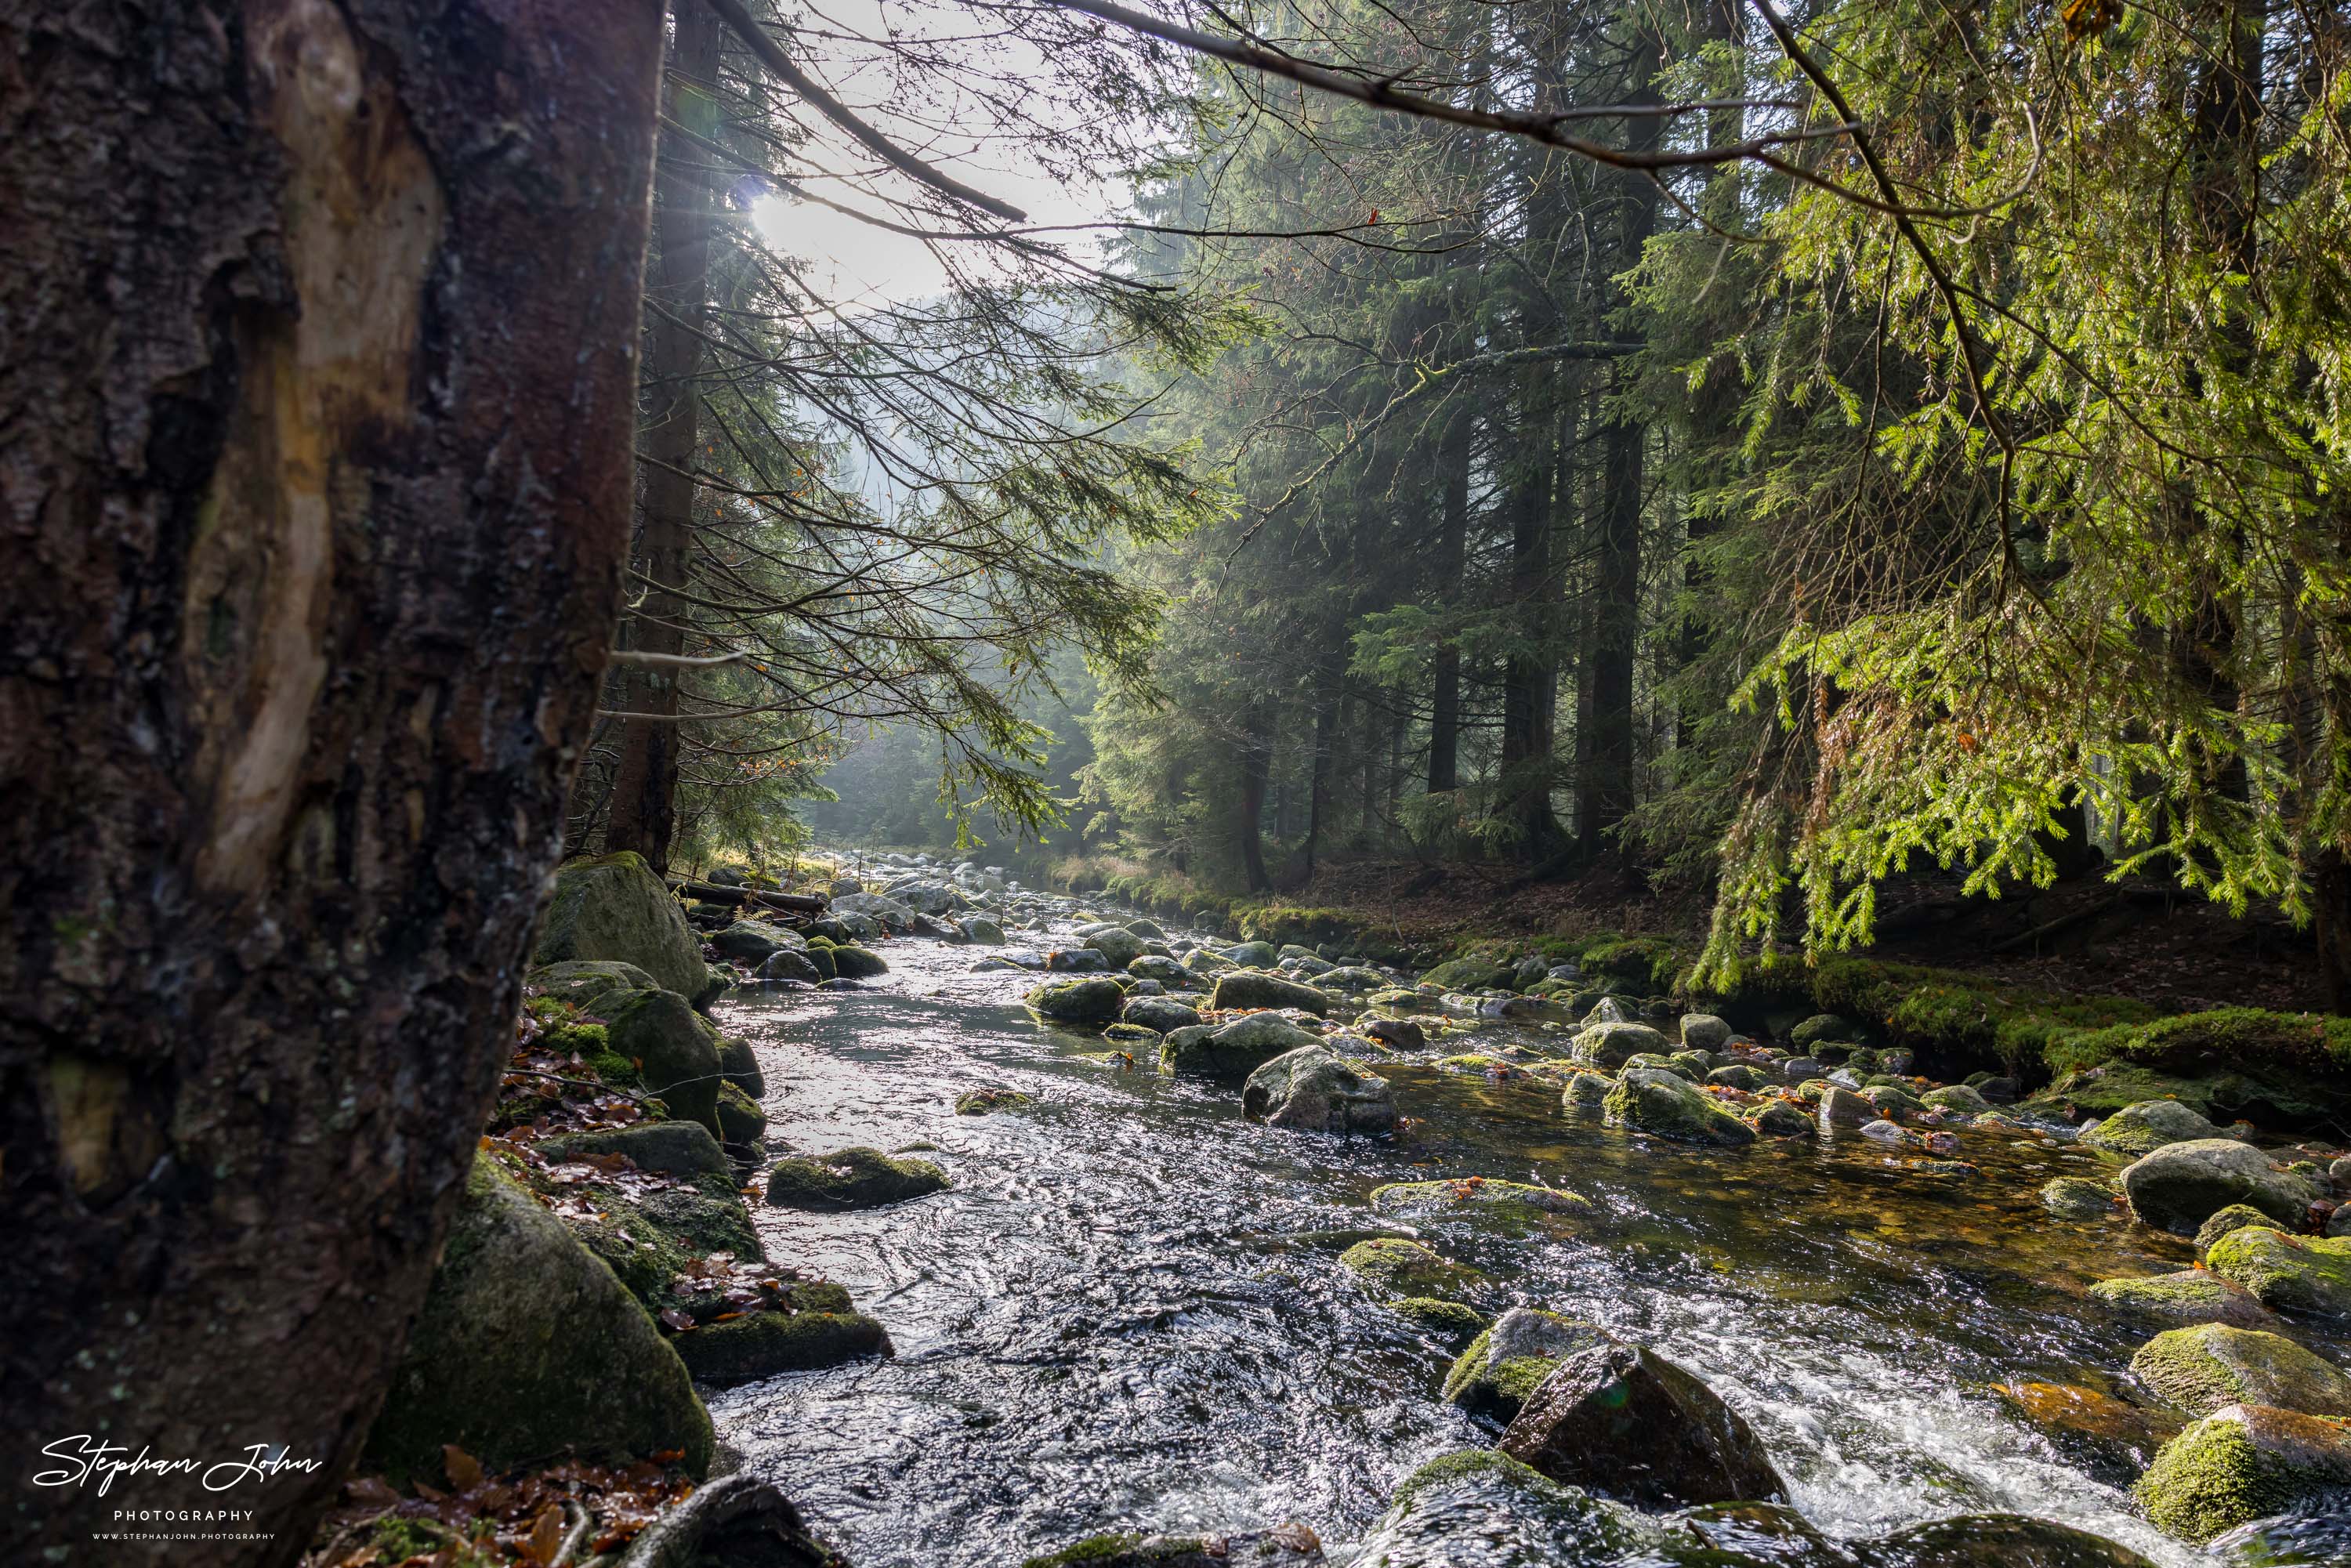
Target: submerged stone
(1504, 1199)
(1284, 1546)
(981, 1101)
(2074, 1198)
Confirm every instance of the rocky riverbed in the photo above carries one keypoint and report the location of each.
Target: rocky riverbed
(1134, 1306)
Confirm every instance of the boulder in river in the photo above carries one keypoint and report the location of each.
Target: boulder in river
(982, 931)
(2077, 1198)
(1704, 1031)
(1509, 1361)
(1996, 1541)
(1311, 1090)
(790, 964)
(1513, 1201)
(2180, 1186)
(612, 907)
(1621, 1419)
(2200, 1369)
(856, 1177)
(2236, 1217)
(1397, 1266)
(1088, 1001)
(1960, 1099)
(1737, 1075)
(2309, 1274)
(1396, 1034)
(1248, 989)
(1166, 971)
(1665, 1105)
(1230, 1052)
(1289, 1545)
(1842, 1110)
(2146, 1126)
(1469, 975)
(1484, 1510)
(1452, 1322)
(794, 1335)
(582, 981)
(1585, 1091)
(851, 962)
(1823, 1029)
(1778, 1119)
(1252, 954)
(2190, 1296)
(674, 1046)
(528, 1345)
(1161, 1015)
(1117, 946)
(2242, 1463)
(750, 941)
(1612, 1045)
(987, 1102)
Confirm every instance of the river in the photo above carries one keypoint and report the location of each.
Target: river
(1127, 1313)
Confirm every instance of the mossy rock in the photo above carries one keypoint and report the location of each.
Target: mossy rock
(2074, 1198)
(671, 1148)
(2278, 1069)
(613, 908)
(856, 1177)
(2146, 1126)
(1471, 975)
(1285, 1546)
(672, 1047)
(1778, 1119)
(1507, 1200)
(982, 1102)
(1508, 1362)
(741, 1119)
(1585, 1092)
(2180, 1185)
(1996, 1541)
(2200, 1369)
(1960, 1099)
(1484, 1510)
(1395, 1267)
(1450, 1321)
(2243, 1463)
(1612, 1044)
(1823, 1028)
(578, 981)
(1093, 1002)
(527, 1346)
(761, 1344)
(1665, 1105)
(2308, 1274)
(1248, 990)
(647, 1240)
(2190, 1296)
(1230, 1052)
(1892, 1101)
(739, 1064)
(2236, 1217)
(853, 963)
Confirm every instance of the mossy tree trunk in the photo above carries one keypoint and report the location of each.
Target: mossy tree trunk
(321, 374)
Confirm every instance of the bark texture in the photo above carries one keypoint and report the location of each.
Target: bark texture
(321, 322)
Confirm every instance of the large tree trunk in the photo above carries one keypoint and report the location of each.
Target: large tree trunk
(643, 814)
(321, 371)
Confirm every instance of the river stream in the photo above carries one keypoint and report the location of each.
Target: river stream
(1128, 1312)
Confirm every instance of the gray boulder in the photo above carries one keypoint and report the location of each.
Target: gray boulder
(2143, 1128)
(2180, 1186)
(1118, 945)
(1612, 1045)
(1093, 1002)
(612, 907)
(1232, 1051)
(1311, 1090)
(1245, 988)
(1704, 1031)
(1161, 1015)
(1620, 1419)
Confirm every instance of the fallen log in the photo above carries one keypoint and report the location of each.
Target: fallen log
(718, 892)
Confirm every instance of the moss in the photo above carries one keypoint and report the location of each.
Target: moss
(1092, 1549)
(1666, 1106)
(2278, 1067)
(741, 1119)
(1962, 1014)
(2214, 1477)
(1280, 923)
(1447, 1320)
(1504, 1199)
(851, 963)
(761, 1344)
(851, 1178)
(980, 1101)
(1398, 1268)
(2202, 1368)
(2297, 1274)
(1655, 962)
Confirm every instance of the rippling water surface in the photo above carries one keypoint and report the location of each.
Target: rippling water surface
(1128, 1312)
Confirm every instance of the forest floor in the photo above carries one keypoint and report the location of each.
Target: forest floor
(2141, 937)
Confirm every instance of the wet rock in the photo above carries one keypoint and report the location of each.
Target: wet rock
(1469, 975)
(1585, 1092)
(1956, 1097)
(1077, 961)
(613, 908)
(1892, 1102)
(1624, 1420)
(1665, 1106)
(1252, 954)
(1824, 1026)
(1166, 971)
(1230, 1052)
(667, 1148)
(1311, 1090)
(856, 1177)
(750, 941)
(1398, 1034)
(1392, 1266)
(1843, 1109)
(2074, 1198)
(796, 1339)
(2243, 1463)
(1612, 1045)
(738, 1065)
(2202, 1368)
(1704, 1031)
(2180, 1185)
(1090, 1001)
(1778, 1119)
(2236, 1217)
(1449, 1322)
(1888, 1133)
(1118, 946)
(1247, 989)
(2109, 1437)
(854, 963)
(1504, 1199)
(1484, 1510)
(2190, 1296)
(2308, 1274)
(2305, 1539)
(1351, 977)
(1284, 1546)
(1652, 1061)
(982, 931)
(741, 1119)
(1737, 1075)
(1800, 1069)
(890, 912)
(1998, 1541)
(790, 964)
(1159, 1014)
(986, 1101)
(1759, 1535)
(527, 1345)
(2146, 1126)
(1508, 1362)
(582, 982)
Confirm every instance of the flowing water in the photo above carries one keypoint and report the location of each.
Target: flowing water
(1128, 1312)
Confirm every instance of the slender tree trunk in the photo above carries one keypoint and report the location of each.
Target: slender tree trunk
(318, 403)
(1256, 769)
(1452, 551)
(1329, 701)
(642, 815)
(1530, 676)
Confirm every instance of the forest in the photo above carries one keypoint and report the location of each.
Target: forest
(1389, 783)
